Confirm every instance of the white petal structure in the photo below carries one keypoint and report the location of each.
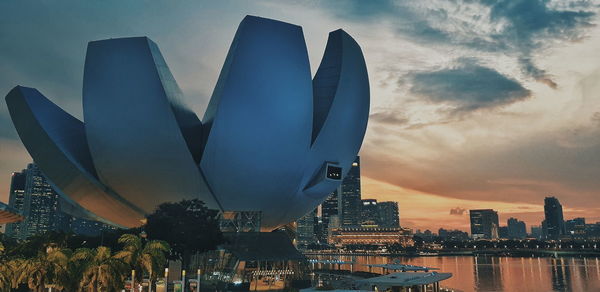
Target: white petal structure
(57, 143)
(270, 140)
(134, 123)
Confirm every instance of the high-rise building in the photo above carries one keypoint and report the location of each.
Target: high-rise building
(334, 224)
(350, 196)
(388, 214)
(16, 200)
(555, 225)
(305, 229)
(89, 227)
(544, 229)
(369, 213)
(330, 207)
(484, 224)
(453, 235)
(576, 228)
(33, 196)
(41, 206)
(592, 231)
(536, 231)
(516, 228)
(503, 232)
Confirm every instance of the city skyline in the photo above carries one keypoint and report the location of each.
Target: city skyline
(532, 135)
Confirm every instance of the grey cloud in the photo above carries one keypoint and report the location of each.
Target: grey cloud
(406, 20)
(538, 74)
(468, 87)
(528, 19)
(457, 211)
(531, 23)
(520, 26)
(388, 117)
(596, 117)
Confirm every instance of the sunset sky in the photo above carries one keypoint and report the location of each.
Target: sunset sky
(474, 104)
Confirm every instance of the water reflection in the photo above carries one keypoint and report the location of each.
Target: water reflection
(487, 273)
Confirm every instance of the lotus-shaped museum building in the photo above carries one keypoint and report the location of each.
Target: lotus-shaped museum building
(271, 140)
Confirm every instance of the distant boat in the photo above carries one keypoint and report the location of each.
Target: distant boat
(427, 253)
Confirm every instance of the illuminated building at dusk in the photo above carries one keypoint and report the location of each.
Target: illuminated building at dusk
(553, 212)
(484, 224)
(389, 216)
(350, 196)
(369, 212)
(272, 140)
(31, 195)
(370, 236)
(517, 229)
(43, 209)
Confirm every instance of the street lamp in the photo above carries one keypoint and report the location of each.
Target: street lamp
(132, 280)
(183, 281)
(198, 278)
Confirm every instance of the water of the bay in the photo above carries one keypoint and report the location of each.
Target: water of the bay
(489, 273)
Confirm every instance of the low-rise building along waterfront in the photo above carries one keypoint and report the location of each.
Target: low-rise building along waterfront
(370, 236)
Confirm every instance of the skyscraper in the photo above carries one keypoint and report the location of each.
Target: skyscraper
(330, 207)
(88, 227)
(369, 213)
(516, 228)
(484, 223)
(305, 229)
(388, 214)
(33, 196)
(350, 196)
(575, 228)
(16, 199)
(536, 231)
(555, 225)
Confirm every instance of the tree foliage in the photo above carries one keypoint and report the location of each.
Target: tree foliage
(87, 269)
(188, 226)
(70, 262)
(149, 257)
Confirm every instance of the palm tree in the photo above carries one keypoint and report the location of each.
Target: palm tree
(149, 257)
(5, 271)
(48, 267)
(101, 271)
(4, 279)
(11, 274)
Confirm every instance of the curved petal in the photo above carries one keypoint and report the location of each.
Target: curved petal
(57, 143)
(135, 123)
(341, 98)
(258, 122)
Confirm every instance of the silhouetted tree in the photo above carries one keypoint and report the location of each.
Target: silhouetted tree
(188, 226)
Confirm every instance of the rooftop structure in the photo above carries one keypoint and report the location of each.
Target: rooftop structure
(401, 267)
(398, 281)
(9, 215)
